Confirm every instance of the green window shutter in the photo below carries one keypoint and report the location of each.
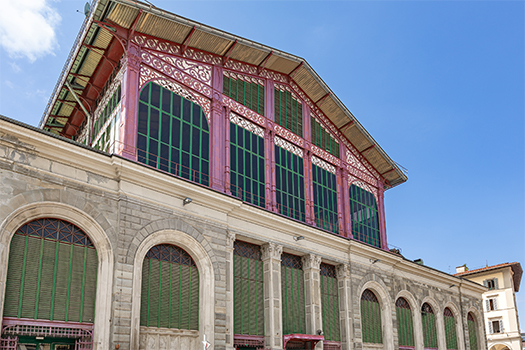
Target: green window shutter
(170, 289)
(330, 303)
(246, 90)
(15, 276)
(405, 324)
(31, 278)
(288, 112)
(450, 330)
(365, 216)
(90, 286)
(322, 139)
(371, 323)
(472, 333)
(62, 283)
(292, 294)
(429, 326)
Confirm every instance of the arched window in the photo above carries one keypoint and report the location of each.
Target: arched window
(365, 216)
(173, 134)
(52, 273)
(248, 289)
(450, 329)
(405, 324)
(429, 327)
(170, 289)
(371, 318)
(330, 303)
(292, 294)
(472, 332)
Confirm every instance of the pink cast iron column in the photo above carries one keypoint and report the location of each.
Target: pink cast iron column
(307, 154)
(381, 209)
(269, 150)
(345, 204)
(130, 98)
(219, 145)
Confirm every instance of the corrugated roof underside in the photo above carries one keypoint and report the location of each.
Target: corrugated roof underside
(309, 84)
(209, 42)
(247, 54)
(123, 15)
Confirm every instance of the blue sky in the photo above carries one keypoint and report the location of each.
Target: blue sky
(438, 84)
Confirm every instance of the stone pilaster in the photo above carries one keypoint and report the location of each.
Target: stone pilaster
(230, 240)
(271, 257)
(345, 305)
(312, 287)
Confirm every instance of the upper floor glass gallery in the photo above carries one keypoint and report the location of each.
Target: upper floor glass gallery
(255, 132)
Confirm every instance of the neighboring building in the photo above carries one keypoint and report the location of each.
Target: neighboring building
(501, 312)
(218, 191)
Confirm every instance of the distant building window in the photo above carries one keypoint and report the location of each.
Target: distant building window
(491, 304)
(491, 284)
(496, 326)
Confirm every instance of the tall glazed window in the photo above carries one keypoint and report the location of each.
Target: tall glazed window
(288, 111)
(289, 180)
(247, 168)
(246, 90)
(322, 139)
(472, 332)
(52, 273)
(173, 134)
(365, 216)
(371, 326)
(292, 294)
(248, 289)
(170, 289)
(428, 319)
(330, 303)
(450, 329)
(324, 184)
(405, 324)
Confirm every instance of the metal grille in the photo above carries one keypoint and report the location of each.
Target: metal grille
(330, 303)
(429, 327)
(328, 270)
(371, 318)
(173, 134)
(247, 250)
(405, 324)
(245, 341)
(292, 261)
(450, 329)
(365, 216)
(170, 253)
(9, 343)
(56, 230)
(323, 139)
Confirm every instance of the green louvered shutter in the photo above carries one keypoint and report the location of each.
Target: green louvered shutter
(371, 318)
(472, 333)
(52, 273)
(450, 330)
(292, 294)
(288, 111)
(246, 90)
(405, 324)
(330, 303)
(248, 289)
(429, 327)
(170, 289)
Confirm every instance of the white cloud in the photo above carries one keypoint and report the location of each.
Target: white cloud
(16, 68)
(9, 84)
(27, 28)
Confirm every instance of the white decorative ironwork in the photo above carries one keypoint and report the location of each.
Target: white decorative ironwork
(172, 72)
(109, 93)
(322, 164)
(244, 111)
(199, 71)
(288, 146)
(241, 67)
(288, 135)
(156, 44)
(147, 75)
(202, 56)
(243, 77)
(270, 74)
(103, 128)
(326, 155)
(283, 88)
(243, 123)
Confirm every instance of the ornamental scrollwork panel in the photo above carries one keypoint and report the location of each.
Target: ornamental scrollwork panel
(172, 72)
(202, 56)
(288, 146)
(244, 111)
(269, 74)
(322, 164)
(288, 135)
(241, 67)
(325, 155)
(242, 77)
(245, 124)
(157, 45)
(198, 71)
(147, 74)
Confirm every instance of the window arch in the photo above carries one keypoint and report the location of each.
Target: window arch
(405, 323)
(472, 331)
(372, 331)
(173, 134)
(450, 329)
(429, 326)
(52, 273)
(364, 215)
(170, 289)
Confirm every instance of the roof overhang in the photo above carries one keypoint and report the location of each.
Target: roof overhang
(515, 267)
(147, 19)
